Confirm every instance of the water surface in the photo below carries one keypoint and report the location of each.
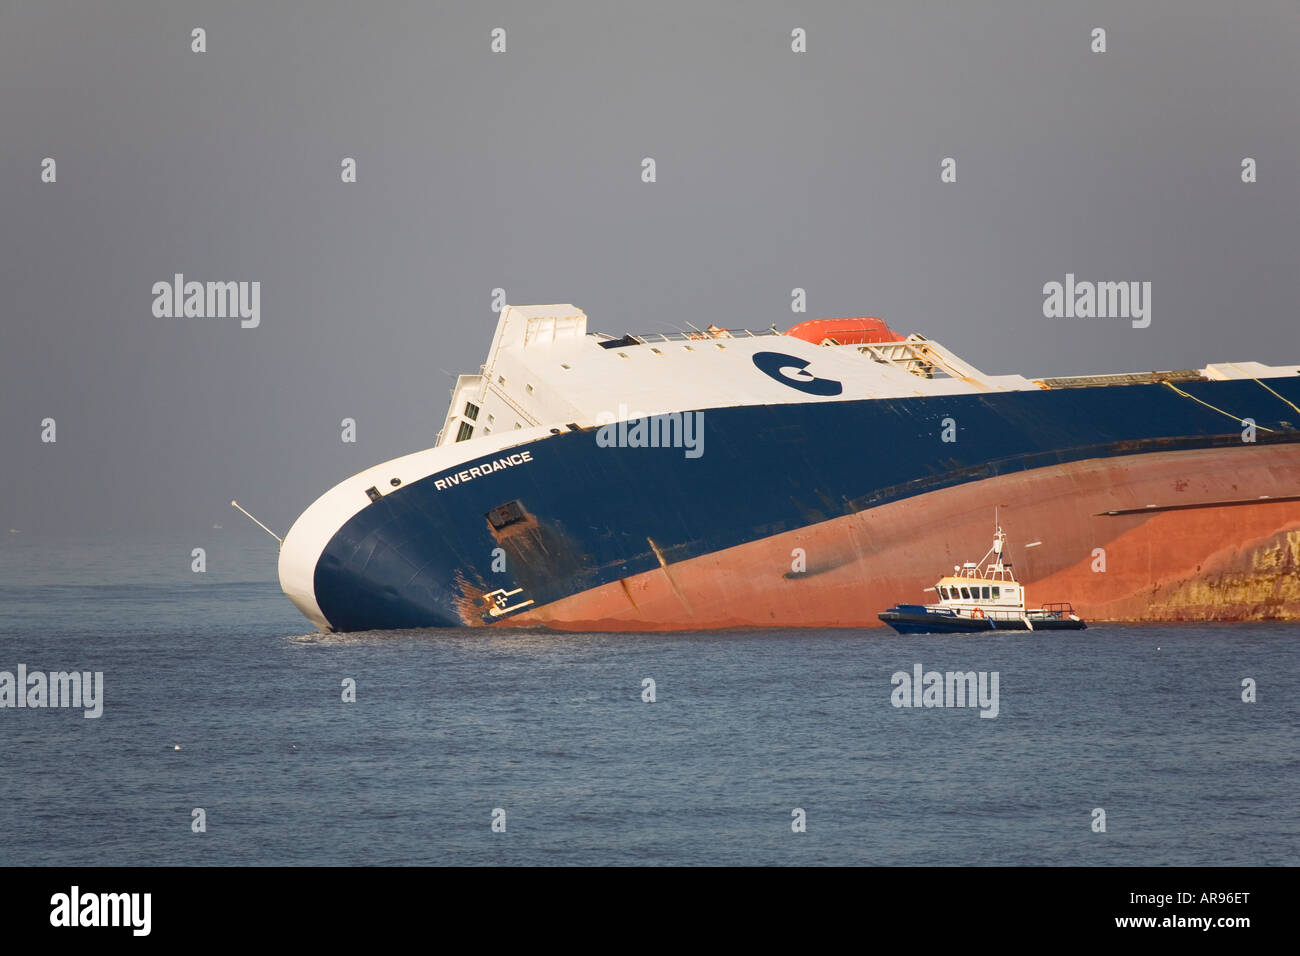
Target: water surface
(1145, 722)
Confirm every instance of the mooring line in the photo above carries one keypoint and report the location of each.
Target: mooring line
(1235, 418)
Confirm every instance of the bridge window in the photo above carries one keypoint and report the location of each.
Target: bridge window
(466, 430)
(471, 411)
(965, 594)
(986, 594)
(995, 593)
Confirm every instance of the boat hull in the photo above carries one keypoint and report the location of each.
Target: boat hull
(823, 514)
(918, 619)
(915, 619)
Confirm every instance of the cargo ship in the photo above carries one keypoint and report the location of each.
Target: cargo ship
(738, 478)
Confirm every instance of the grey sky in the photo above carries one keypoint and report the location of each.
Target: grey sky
(522, 170)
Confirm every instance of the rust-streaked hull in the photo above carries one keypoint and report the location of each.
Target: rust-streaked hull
(824, 513)
(1230, 561)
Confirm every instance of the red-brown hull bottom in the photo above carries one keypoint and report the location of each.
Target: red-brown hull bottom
(1229, 562)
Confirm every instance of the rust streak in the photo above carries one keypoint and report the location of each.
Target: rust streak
(668, 574)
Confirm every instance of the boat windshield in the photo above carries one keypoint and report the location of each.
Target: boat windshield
(971, 593)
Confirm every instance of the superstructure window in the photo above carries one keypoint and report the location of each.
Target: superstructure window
(965, 593)
(466, 430)
(471, 411)
(944, 592)
(996, 593)
(619, 343)
(986, 593)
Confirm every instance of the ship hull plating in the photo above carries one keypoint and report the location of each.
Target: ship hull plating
(1235, 562)
(823, 514)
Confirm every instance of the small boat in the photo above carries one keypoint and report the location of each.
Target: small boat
(971, 599)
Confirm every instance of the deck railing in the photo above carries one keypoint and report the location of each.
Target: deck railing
(1059, 607)
(695, 335)
(995, 615)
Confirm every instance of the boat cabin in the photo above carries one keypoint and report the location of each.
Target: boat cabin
(992, 591)
(970, 592)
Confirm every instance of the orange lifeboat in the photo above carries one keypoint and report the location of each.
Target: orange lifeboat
(864, 330)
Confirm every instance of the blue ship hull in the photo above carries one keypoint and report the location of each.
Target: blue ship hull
(583, 516)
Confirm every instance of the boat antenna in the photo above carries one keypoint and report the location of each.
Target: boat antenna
(236, 504)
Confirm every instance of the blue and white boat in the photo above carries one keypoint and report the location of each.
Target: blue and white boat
(971, 599)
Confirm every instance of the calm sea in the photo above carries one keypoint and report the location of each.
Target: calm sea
(217, 696)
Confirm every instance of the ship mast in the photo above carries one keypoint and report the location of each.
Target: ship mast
(995, 568)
